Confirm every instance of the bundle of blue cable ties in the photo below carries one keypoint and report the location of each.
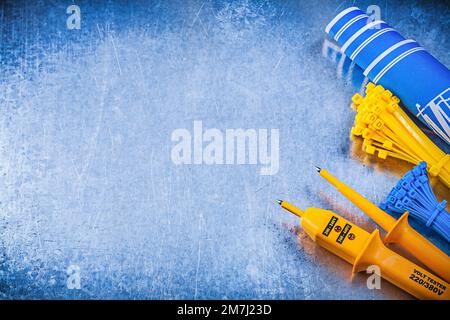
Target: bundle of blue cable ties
(413, 193)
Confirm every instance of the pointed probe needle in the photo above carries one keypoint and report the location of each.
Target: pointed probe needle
(385, 220)
(291, 208)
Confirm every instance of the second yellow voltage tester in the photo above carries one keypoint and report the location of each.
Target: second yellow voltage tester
(363, 249)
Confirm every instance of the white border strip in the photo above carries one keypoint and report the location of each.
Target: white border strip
(360, 31)
(369, 40)
(339, 16)
(395, 61)
(384, 54)
(348, 24)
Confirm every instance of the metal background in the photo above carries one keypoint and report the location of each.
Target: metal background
(85, 123)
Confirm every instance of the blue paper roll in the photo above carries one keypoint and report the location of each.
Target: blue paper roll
(401, 65)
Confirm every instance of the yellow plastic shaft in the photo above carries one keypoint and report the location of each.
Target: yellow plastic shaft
(383, 219)
(362, 250)
(291, 208)
(399, 231)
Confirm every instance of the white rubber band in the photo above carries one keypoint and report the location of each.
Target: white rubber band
(369, 40)
(339, 16)
(395, 61)
(348, 24)
(358, 33)
(384, 54)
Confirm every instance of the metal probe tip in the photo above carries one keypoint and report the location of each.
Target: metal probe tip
(318, 169)
(280, 201)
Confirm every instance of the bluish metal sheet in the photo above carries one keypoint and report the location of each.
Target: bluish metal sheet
(87, 182)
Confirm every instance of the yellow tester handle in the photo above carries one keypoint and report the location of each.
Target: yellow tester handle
(362, 249)
(400, 271)
(399, 231)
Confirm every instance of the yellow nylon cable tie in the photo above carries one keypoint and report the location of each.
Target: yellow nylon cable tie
(383, 153)
(438, 153)
(435, 169)
(387, 130)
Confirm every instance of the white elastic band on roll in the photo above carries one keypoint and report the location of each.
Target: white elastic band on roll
(395, 61)
(384, 54)
(339, 16)
(369, 40)
(348, 24)
(359, 32)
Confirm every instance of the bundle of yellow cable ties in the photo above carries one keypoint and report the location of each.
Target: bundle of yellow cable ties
(388, 131)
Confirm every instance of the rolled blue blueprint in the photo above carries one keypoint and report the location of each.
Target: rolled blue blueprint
(401, 65)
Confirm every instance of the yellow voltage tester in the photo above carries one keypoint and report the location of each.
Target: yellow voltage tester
(363, 249)
(399, 231)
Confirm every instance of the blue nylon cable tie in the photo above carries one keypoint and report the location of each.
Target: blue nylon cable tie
(440, 208)
(413, 193)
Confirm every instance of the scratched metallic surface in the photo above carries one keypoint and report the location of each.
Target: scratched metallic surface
(86, 174)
